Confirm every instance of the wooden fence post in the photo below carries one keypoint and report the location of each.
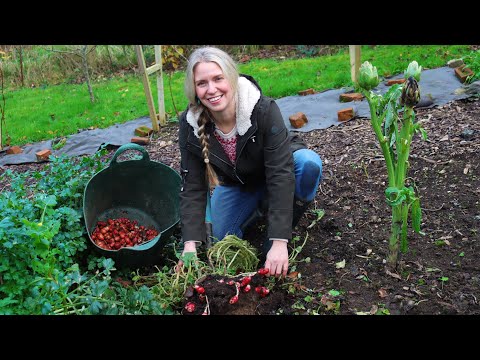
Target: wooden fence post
(354, 61)
(146, 85)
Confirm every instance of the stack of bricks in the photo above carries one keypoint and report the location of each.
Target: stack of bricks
(142, 135)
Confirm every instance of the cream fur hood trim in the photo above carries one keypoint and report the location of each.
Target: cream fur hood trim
(247, 97)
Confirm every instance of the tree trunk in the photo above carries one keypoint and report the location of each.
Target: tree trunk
(85, 72)
(125, 53)
(112, 69)
(20, 55)
(2, 108)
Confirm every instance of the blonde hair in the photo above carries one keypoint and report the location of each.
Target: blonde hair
(230, 71)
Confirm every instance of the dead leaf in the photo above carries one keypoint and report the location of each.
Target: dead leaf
(328, 301)
(340, 264)
(189, 292)
(417, 292)
(293, 275)
(396, 276)
(420, 266)
(299, 287)
(374, 309)
(362, 313)
(382, 293)
(330, 305)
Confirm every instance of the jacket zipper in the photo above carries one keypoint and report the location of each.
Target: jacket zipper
(226, 163)
(241, 149)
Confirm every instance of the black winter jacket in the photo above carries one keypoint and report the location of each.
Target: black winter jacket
(264, 156)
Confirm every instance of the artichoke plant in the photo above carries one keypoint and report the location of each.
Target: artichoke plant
(368, 76)
(395, 132)
(413, 70)
(410, 93)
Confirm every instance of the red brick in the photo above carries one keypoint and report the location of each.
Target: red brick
(306, 92)
(43, 155)
(143, 131)
(462, 73)
(14, 150)
(345, 114)
(351, 97)
(395, 81)
(140, 140)
(298, 120)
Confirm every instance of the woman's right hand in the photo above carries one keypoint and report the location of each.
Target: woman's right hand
(188, 247)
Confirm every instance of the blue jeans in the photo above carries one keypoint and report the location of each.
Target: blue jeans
(230, 206)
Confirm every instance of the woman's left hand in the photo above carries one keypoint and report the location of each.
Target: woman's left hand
(277, 259)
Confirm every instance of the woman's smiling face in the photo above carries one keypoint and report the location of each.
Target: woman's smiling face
(211, 87)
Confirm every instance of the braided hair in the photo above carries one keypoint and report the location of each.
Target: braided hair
(210, 174)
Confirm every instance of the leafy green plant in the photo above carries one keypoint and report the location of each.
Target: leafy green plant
(472, 61)
(443, 280)
(393, 121)
(295, 250)
(70, 292)
(319, 215)
(41, 238)
(41, 233)
(307, 50)
(168, 287)
(382, 310)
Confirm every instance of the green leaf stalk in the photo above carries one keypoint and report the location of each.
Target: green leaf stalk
(394, 133)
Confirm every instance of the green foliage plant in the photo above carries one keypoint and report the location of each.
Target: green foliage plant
(41, 233)
(393, 121)
(168, 287)
(44, 267)
(472, 61)
(93, 293)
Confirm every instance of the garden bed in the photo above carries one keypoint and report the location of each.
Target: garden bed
(341, 268)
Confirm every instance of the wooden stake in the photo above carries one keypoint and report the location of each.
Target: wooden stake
(146, 87)
(354, 61)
